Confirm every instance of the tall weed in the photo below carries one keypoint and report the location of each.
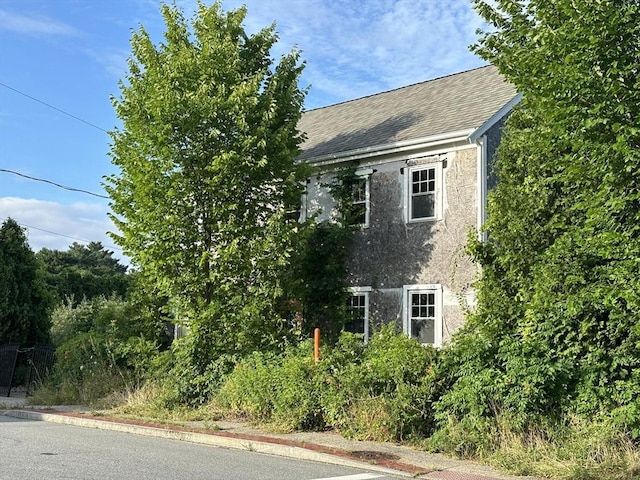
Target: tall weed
(576, 449)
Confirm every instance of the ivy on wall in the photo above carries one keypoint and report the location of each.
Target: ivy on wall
(322, 261)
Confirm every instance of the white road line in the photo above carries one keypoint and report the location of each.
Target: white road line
(359, 476)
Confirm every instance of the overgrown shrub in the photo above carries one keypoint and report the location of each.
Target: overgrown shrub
(381, 391)
(279, 389)
(388, 394)
(100, 350)
(556, 330)
(101, 314)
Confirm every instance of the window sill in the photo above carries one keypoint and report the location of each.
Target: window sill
(424, 220)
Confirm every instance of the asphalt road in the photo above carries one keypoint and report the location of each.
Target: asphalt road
(31, 449)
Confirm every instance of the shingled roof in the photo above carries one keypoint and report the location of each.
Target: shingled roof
(455, 103)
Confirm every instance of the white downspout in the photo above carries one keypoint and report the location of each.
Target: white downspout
(481, 189)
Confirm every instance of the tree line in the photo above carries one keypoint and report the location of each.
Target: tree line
(34, 284)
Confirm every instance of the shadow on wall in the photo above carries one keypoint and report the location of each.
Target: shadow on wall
(389, 253)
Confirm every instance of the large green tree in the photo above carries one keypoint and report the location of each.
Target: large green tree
(84, 272)
(24, 303)
(207, 174)
(557, 327)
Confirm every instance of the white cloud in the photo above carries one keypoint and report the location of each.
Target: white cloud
(34, 25)
(56, 226)
(355, 48)
(114, 61)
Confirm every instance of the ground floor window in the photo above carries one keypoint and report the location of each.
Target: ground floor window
(358, 312)
(422, 312)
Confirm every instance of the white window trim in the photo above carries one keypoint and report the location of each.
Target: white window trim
(439, 192)
(407, 290)
(363, 291)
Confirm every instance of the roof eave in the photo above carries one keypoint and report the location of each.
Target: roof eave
(495, 118)
(390, 148)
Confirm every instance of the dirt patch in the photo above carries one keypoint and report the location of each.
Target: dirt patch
(372, 455)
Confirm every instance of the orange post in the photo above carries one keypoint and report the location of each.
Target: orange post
(316, 344)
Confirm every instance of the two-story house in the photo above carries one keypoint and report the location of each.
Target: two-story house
(423, 155)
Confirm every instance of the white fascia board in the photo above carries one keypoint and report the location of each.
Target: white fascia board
(482, 129)
(390, 148)
(358, 289)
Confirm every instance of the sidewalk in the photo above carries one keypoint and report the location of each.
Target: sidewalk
(328, 447)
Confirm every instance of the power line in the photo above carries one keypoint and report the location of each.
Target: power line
(54, 108)
(72, 189)
(63, 235)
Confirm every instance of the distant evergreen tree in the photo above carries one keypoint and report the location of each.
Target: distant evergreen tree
(24, 303)
(84, 272)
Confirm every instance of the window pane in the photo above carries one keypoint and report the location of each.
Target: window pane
(360, 190)
(423, 330)
(360, 217)
(356, 306)
(354, 326)
(423, 206)
(357, 214)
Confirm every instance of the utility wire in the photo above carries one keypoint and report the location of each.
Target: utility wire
(63, 235)
(72, 189)
(55, 108)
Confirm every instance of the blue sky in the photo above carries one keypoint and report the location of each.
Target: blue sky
(70, 54)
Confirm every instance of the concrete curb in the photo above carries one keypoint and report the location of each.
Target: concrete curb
(210, 438)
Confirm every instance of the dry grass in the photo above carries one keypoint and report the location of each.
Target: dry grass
(150, 402)
(578, 451)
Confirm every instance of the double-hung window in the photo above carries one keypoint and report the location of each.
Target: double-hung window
(358, 312)
(360, 202)
(424, 192)
(422, 308)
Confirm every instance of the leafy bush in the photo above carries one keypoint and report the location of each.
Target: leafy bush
(100, 350)
(396, 378)
(101, 314)
(556, 330)
(280, 390)
(381, 391)
(248, 391)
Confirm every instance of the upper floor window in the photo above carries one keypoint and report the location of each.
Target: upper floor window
(360, 199)
(424, 192)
